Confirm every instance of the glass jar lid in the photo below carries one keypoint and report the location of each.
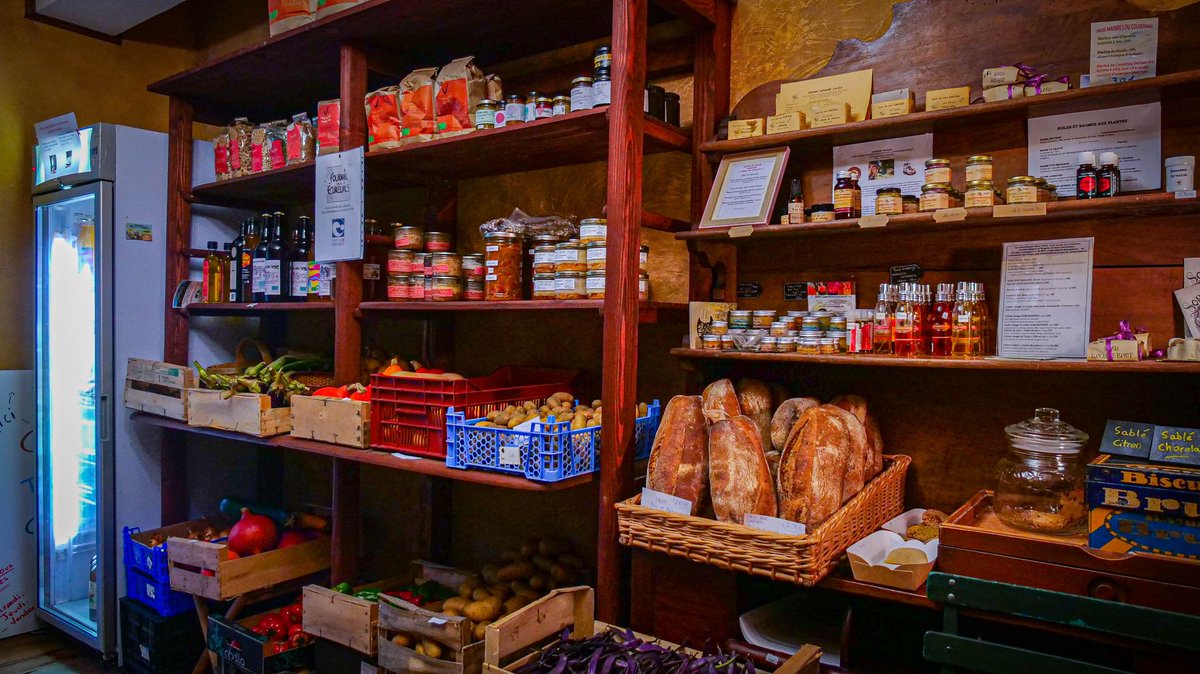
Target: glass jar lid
(887, 190)
(979, 159)
(1045, 432)
(936, 163)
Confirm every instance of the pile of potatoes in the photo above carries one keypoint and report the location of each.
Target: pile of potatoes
(561, 406)
(516, 579)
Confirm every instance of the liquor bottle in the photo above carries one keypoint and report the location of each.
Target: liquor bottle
(940, 319)
(213, 285)
(981, 315)
(258, 270)
(236, 247)
(1085, 176)
(246, 262)
(229, 267)
(795, 207)
(298, 260)
(1108, 177)
(277, 283)
(881, 335)
(903, 326)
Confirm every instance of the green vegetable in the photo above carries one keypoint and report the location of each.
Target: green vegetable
(343, 588)
(369, 594)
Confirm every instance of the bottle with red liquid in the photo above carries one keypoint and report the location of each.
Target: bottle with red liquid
(940, 317)
(904, 326)
(885, 314)
(921, 320)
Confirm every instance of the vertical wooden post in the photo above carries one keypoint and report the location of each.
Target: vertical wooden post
(625, 122)
(711, 98)
(347, 350)
(173, 464)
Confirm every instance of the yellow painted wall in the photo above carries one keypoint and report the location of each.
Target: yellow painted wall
(47, 71)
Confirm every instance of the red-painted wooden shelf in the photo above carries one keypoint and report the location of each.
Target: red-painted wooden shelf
(254, 309)
(648, 312)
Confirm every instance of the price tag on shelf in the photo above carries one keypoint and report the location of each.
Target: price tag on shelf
(667, 502)
(774, 525)
(1186, 194)
(740, 231)
(950, 214)
(1018, 210)
(434, 620)
(869, 221)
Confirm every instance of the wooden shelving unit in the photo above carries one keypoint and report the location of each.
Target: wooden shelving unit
(993, 364)
(255, 308)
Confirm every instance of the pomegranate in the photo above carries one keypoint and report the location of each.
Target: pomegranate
(291, 537)
(252, 534)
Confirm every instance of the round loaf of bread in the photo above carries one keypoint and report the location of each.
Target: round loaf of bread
(856, 456)
(720, 401)
(785, 417)
(812, 466)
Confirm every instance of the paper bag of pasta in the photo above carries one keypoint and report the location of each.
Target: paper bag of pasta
(460, 87)
(416, 105)
(383, 118)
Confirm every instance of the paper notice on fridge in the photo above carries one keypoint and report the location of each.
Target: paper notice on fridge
(1134, 132)
(1045, 299)
(895, 162)
(55, 126)
(1123, 51)
(339, 206)
(18, 546)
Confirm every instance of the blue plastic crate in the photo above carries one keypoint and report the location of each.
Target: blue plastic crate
(150, 562)
(157, 595)
(547, 452)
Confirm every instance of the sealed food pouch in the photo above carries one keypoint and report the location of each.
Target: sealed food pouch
(285, 15)
(383, 118)
(327, 7)
(460, 87)
(301, 144)
(221, 154)
(416, 105)
(329, 116)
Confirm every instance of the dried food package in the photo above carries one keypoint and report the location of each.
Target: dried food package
(222, 155)
(495, 87)
(383, 118)
(239, 143)
(520, 222)
(267, 149)
(301, 142)
(416, 105)
(329, 119)
(460, 87)
(285, 15)
(327, 7)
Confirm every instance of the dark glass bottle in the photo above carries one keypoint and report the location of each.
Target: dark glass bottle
(1085, 176)
(235, 264)
(796, 203)
(258, 267)
(230, 266)
(1108, 177)
(847, 197)
(298, 260)
(278, 276)
(246, 259)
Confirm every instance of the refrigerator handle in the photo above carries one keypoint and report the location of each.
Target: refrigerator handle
(106, 421)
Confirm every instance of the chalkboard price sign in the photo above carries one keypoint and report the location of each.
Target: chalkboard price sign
(748, 289)
(795, 292)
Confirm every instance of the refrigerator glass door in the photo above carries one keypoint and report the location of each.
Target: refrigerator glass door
(74, 413)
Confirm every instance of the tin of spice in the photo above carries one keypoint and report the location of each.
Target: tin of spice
(400, 262)
(727, 343)
(643, 287)
(408, 238)
(570, 256)
(644, 259)
(937, 171)
(740, 319)
(445, 264)
(821, 213)
(594, 283)
(911, 203)
(485, 113)
(979, 167)
(475, 289)
(569, 285)
(514, 109)
(592, 230)
(397, 287)
(502, 251)
(581, 93)
(544, 259)
(438, 242)
(763, 318)
(719, 328)
(446, 289)
(981, 193)
(602, 57)
(888, 201)
(1021, 190)
(473, 265)
(935, 196)
(596, 253)
(769, 345)
(711, 342)
(544, 287)
(562, 105)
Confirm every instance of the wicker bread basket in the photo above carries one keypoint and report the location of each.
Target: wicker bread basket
(798, 559)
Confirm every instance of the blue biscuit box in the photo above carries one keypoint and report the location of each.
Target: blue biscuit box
(1125, 531)
(1154, 489)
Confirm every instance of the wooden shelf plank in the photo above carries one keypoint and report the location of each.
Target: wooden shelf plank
(648, 312)
(871, 360)
(430, 467)
(977, 115)
(842, 581)
(1125, 206)
(253, 309)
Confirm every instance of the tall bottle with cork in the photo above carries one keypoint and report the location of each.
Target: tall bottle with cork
(258, 265)
(277, 285)
(213, 283)
(298, 259)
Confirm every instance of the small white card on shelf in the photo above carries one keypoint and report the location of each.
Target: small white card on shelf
(869, 221)
(950, 214)
(1018, 210)
(774, 525)
(1186, 194)
(667, 502)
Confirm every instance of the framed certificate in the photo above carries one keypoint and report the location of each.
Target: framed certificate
(745, 188)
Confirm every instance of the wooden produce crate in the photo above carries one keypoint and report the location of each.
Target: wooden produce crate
(241, 650)
(336, 420)
(249, 413)
(158, 388)
(452, 633)
(189, 560)
(345, 619)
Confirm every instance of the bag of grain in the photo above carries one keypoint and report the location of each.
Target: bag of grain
(301, 144)
(416, 105)
(460, 87)
(285, 15)
(239, 147)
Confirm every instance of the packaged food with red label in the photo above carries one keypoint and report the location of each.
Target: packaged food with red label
(221, 155)
(383, 118)
(285, 15)
(327, 7)
(239, 147)
(416, 105)
(460, 87)
(329, 115)
(301, 144)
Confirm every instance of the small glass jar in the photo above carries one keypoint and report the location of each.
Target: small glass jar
(545, 259)
(822, 213)
(438, 242)
(794, 318)
(407, 237)
(740, 319)
(594, 284)
(423, 264)
(762, 319)
(543, 107)
(937, 171)
(727, 343)
(810, 323)
(446, 289)
(809, 346)
(847, 197)
(570, 256)
(911, 203)
(592, 230)
(397, 287)
(1040, 481)
(602, 57)
(596, 253)
(981, 193)
(485, 113)
(779, 329)
(828, 346)
(1053, 191)
(562, 105)
(400, 262)
(502, 252)
(531, 105)
(1043, 189)
(719, 328)
(824, 319)
(416, 286)
(839, 337)
(475, 289)
(544, 287)
(711, 342)
(935, 196)
(888, 201)
(1021, 190)
(644, 259)
(514, 109)
(570, 285)
(444, 264)
(581, 93)
(643, 287)
(473, 265)
(601, 87)
(769, 345)
(979, 167)
(788, 344)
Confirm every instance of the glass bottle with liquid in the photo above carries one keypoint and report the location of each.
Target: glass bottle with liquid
(885, 314)
(940, 317)
(1108, 176)
(213, 283)
(983, 319)
(235, 262)
(904, 328)
(964, 335)
(795, 207)
(258, 265)
(298, 259)
(229, 269)
(246, 260)
(278, 278)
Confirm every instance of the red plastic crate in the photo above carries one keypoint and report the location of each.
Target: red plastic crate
(409, 415)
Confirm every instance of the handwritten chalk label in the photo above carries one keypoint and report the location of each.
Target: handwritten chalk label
(1127, 438)
(1018, 210)
(949, 214)
(905, 272)
(740, 231)
(749, 289)
(510, 455)
(869, 221)
(794, 292)
(667, 502)
(774, 525)
(1185, 194)
(1176, 445)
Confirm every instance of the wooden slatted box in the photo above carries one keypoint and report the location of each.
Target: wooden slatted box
(233, 577)
(249, 413)
(335, 420)
(453, 633)
(158, 388)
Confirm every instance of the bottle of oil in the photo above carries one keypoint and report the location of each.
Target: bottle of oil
(940, 320)
(246, 259)
(213, 285)
(903, 326)
(229, 269)
(298, 259)
(984, 329)
(964, 329)
(885, 314)
(258, 270)
(278, 273)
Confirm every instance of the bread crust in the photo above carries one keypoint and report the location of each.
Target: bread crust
(679, 456)
(857, 453)
(739, 476)
(812, 466)
(720, 401)
(754, 397)
(786, 417)
(857, 406)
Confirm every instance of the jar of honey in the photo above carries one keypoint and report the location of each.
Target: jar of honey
(979, 167)
(888, 201)
(1021, 190)
(502, 253)
(485, 113)
(596, 253)
(569, 285)
(981, 193)
(592, 230)
(937, 171)
(544, 287)
(935, 196)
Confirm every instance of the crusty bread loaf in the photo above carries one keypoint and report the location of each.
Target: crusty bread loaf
(720, 401)
(857, 406)
(754, 397)
(812, 466)
(679, 457)
(739, 476)
(856, 456)
(785, 418)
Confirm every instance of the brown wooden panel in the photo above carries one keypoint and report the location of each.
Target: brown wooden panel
(682, 601)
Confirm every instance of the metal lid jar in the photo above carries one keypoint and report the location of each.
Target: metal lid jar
(545, 259)
(1021, 190)
(1040, 480)
(644, 259)
(407, 237)
(570, 256)
(594, 283)
(592, 230)
(935, 196)
(596, 253)
(485, 113)
(473, 265)
(562, 105)
(569, 285)
(439, 242)
(544, 286)
(762, 319)
(979, 167)
(581, 93)
(888, 201)
(981, 193)
(740, 319)
(514, 109)
(937, 171)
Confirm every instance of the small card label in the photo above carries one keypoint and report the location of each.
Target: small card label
(667, 502)
(949, 214)
(749, 289)
(1018, 210)
(1185, 194)
(795, 292)
(741, 231)
(869, 221)
(435, 620)
(1176, 445)
(1127, 438)
(510, 455)
(774, 525)
(905, 272)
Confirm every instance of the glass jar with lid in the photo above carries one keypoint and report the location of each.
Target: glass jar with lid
(935, 196)
(474, 289)
(711, 342)
(911, 203)
(981, 193)
(408, 237)
(643, 287)
(822, 213)
(439, 242)
(544, 287)
(444, 264)
(727, 343)
(502, 255)
(581, 93)
(594, 283)
(1021, 190)
(569, 285)
(937, 171)
(828, 346)
(719, 328)
(445, 289)
(1043, 189)
(592, 230)
(787, 344)
(644, 260)
(888, 201)
(769, 345)
(400, 262)
(1040, 480)
(485, 113)
(544, 259)
(979, 167)
(473, 266)
(514, 109)
(562, 105)
(779, 329)
(740, 319)
(570, 256)
(762, 319)
(809, 346)
(596, 253)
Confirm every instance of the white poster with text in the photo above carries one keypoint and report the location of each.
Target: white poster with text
(18, 547)
(895, 162)
(1123, 51)
(338, 221)
(1133, 132)
(1045, 299)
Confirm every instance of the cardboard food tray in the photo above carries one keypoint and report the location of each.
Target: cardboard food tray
(867, 557)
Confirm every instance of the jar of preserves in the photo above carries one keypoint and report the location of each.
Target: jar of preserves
(888, 201)
(827, 347)
(581, 93)
(596, 254)
(424, 264)
(570, 256)
(981, 193)
(531, 105)
(485, 113)
(809, 346)
(794, 318)
(979, 167)
(544, 287)
(594, 283)
(400, 262)
(592, 230)
(514, 109)
(740, 319)
(473, 265)
(438, 242)
(937, 171)
(445, 264)
(475, 289)
(779, 329)
(1040, 480)
(544, 260)
(602, 57)
(911, 203)
(1043, 189)
(569, 285)
(502, 257)
(397, 287)
(1021, 190)
(710, 342)
(446, 289)
(643, 287)
(810, 324)
(719, 328)
(644, 259)
(769, 345)
(935, 196)
(727, 343)
(416, 286)
(847, 197)
(822, 213)
(408, 237)
(839, 337)
(562, 105)
(601, 87)
(787, 344)
(543, 107)
(762, 319)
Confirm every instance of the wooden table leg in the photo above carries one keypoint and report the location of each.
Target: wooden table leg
(206, 660)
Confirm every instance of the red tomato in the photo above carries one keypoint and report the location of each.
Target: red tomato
(276, 647)
(299, 638)
(293, 613)
(275, 625)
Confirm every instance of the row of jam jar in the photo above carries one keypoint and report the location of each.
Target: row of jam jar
(439, 277)
(801, 331)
